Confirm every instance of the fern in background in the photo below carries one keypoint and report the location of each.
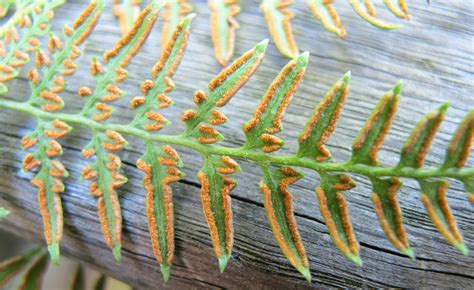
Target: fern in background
(126, 12)
(161, 163)
(277, 14)
(28, 270)
(173, 12)
(31, 19)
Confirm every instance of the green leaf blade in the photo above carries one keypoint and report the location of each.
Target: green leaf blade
(279, 206)
(117, 60)
(387, 208)
(16, 55)
(460, 145)
(323, 122)
(278, 19)
(327, 15)
(173, 13)
(371, 137)
(104, 172)
(223, 27)
(48, 179)
(33, 278)
(335, 212)
(417, 146)
(100, 283)
(469, 187)
(155, 90)
(266, 119)
(366, 10)
(11, 267)
(161, 168)
(216, 202)
(400, 10)
(4, 212)
(221, 89)
(434, 198)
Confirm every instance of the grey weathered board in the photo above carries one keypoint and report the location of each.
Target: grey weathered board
(432, 54)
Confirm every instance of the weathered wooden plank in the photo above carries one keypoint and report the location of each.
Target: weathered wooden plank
(433, 54)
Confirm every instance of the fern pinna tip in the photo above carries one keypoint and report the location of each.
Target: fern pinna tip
(461, 246)
(165, 272)
(54, 253)
(356, 259)
(117, 253)
(366, 10)
(223, 260)
(409, 252)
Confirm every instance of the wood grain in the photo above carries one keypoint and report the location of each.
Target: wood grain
(432, 54)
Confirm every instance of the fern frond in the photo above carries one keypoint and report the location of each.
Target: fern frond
(33, 277)
(161, 164)
(366, 10)
(14, 48)
(459, 149)
(23, 12)
(278, 203)
(221, 89)
(223, 27)
(5, 6)
(104, 172)
(173, 12)
(11, 267)
(324, 11)
(216, 203)
(47, 82)
(278, 18)
(400, 10)
(433, 191)
(266, 121)
(323, 122)
(126, 12)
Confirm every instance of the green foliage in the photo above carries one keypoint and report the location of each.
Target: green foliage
(4, 212)
(161, 163)
(279, 206)
(33, 278)
(31, 19)
(277, 13)
(31, 260)
(28, 269)
(47, 82)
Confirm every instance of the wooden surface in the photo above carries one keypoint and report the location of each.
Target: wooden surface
(432, 54)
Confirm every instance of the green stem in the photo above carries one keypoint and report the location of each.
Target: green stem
(259, 157)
